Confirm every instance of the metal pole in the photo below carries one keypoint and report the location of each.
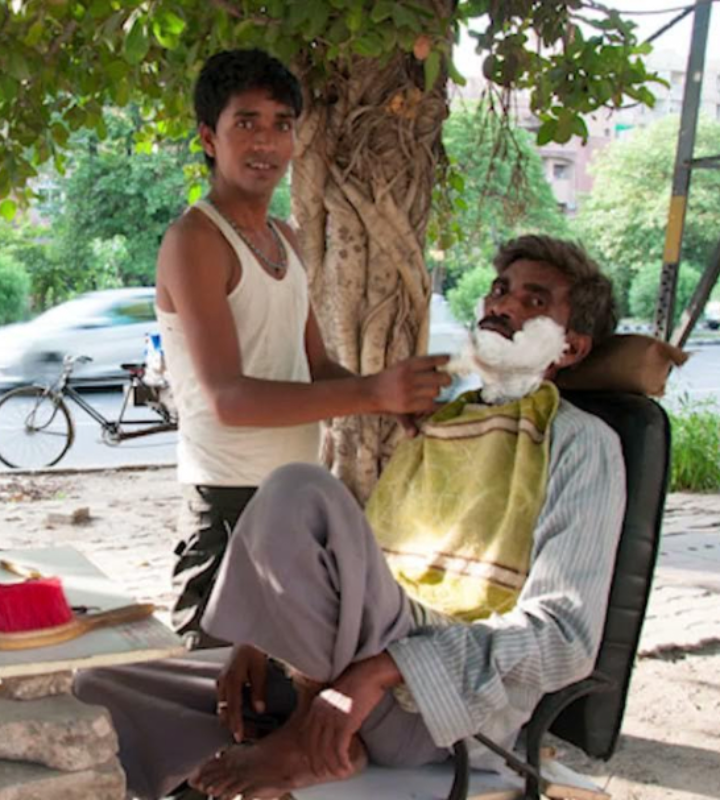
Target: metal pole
(692, 313)
(681, 177)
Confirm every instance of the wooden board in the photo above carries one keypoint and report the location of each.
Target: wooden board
(85, 585)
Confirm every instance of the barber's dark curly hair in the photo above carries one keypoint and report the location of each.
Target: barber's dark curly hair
(592, 304)
(233, 71)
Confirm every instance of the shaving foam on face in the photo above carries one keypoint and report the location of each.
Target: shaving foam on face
(511, 368)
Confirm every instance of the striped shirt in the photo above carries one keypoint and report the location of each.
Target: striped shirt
(489, 675)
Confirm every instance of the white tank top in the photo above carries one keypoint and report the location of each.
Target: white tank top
(270, 317)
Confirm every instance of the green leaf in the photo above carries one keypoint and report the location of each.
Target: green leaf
(99, 8)
(59, 133)
(195, 192)
(456, 180)
(8, 209)
(34, 34)
(167, 29)
(318, 16)
(8, 87)
(144, 147)
(17, 66)
(354, 19)
(455, 75)
(299, 12)
(547, 131)
(565, 124)
(137, 43)
(172, 23)
(580, 128)
(120, 92)
(117, 69)
(369, 46)
(338, 33)
(382, 10)
(404, 18)
(422, 11)
(75, 117)
(431, 66)
(244, 30)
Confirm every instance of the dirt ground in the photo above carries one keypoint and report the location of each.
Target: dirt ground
(670, 746)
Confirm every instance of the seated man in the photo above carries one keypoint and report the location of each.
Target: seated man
(388, 665)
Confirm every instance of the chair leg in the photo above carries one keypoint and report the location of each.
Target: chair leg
(461, 781)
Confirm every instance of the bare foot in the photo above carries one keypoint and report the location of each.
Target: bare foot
(275, 765)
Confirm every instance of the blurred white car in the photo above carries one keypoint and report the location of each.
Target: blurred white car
(109, 326)
(712, 315)
(448, 336)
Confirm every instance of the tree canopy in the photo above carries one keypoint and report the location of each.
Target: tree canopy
(369, 154)
(623, 219)
(63, 61)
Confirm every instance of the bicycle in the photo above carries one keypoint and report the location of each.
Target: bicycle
(37, 428)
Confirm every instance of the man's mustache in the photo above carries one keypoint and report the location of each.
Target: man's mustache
(498, 323)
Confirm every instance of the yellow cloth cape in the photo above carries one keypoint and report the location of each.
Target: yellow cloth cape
(455, 509)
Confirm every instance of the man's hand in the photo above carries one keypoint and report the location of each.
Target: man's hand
(339, 711)
(245, 665)
(411, 386)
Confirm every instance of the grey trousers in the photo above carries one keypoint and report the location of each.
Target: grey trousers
(303, 580)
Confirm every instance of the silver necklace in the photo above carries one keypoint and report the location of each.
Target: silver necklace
(277, 267)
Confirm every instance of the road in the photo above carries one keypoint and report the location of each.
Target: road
(89, 450)
(699, 379)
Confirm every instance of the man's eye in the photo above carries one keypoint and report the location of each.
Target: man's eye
(285, 126)
(244, 124)
(538, 302)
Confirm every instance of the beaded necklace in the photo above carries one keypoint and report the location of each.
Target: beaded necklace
(277, 267)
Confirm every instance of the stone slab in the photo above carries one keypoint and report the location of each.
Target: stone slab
(20, 781)
(36, 686)
(58, 732)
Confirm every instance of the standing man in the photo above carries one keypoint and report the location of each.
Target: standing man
(246, 358)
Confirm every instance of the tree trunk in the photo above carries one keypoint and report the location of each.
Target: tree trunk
(363, 177)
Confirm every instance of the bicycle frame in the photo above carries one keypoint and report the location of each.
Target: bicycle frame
(116, 429)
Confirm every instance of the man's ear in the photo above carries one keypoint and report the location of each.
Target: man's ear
(579, 346)
(207, 139)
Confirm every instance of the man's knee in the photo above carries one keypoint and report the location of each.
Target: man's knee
(292, 509)
(295, 481)
(297, 493)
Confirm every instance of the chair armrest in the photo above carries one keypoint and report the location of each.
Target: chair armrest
(545, 714)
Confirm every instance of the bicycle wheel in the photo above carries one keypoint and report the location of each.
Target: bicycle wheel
(36, 428)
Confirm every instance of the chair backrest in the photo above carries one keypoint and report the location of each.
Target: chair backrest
(593, 722)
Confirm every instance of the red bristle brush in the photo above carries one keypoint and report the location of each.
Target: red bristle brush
(36, 613)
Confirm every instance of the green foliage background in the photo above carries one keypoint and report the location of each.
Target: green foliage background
(14, 289)
(695, 462)
(623, 219)
(497, 190)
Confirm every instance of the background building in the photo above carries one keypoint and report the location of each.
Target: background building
(567, 166)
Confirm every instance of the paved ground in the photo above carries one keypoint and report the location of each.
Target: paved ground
(670, 747)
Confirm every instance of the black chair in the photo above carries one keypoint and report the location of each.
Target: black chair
(589, 713)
